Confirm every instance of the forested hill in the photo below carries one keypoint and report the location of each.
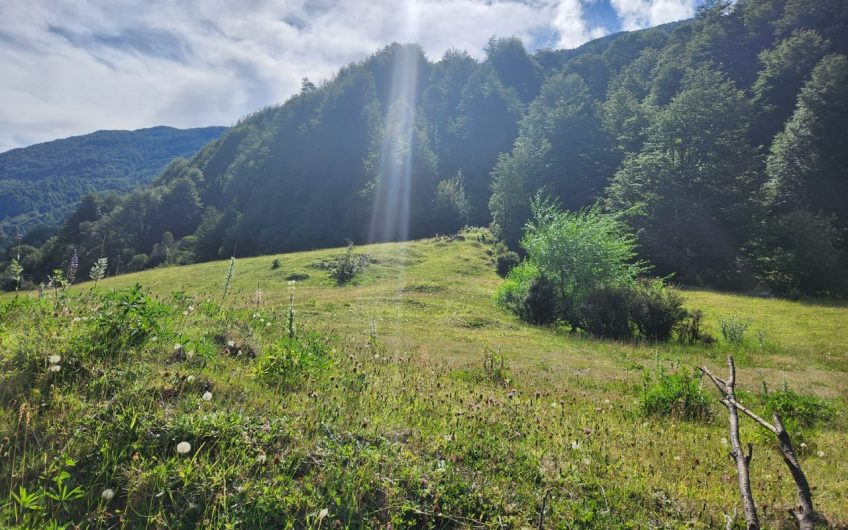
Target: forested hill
(721, 140)
(42, 183)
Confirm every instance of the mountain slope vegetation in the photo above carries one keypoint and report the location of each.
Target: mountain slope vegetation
(717, 139)
(405, 398)
(41, 184)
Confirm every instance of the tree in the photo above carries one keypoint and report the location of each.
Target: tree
(691, 183)
(516, 176)
(808, 163)
(579, 252)
(784, 70)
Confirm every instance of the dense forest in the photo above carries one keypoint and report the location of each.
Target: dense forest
(719, 140)
(41, 184)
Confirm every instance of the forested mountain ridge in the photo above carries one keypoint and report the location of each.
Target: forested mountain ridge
(718, 139)
(42, 183)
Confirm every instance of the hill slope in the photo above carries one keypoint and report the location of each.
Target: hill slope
(42, 183)
(394, 419)
(718, 138)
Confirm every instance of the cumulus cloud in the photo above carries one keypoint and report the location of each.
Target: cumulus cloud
(571, 25)
(74, 67)
(637, 14)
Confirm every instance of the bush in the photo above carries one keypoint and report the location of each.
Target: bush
(578, 252)
(125, 320)
(529, 295)
(289, 361)
(734, 328)
(675, 394)
(344, 267)
(656, 310)
(506, 262)
(689, 329)
(806, 411)
(606, 313)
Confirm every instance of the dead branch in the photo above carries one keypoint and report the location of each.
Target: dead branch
(727, 389)
(804, 514)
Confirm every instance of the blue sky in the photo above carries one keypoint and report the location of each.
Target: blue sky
(72, 67)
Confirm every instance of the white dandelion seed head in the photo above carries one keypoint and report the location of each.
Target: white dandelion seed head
(231, 343)
(207, 396)
(803, 445)
(820, 454)
(183, 448)
(191, 308)
(108, 494)
(261, 458)
(55, 367)
(54, 359)
(190, 379)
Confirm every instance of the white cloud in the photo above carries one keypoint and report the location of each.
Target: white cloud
(74, 67)
(637, 14)
(569, 21)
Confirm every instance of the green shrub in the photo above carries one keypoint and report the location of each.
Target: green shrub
(606, 313)
(676, 394)
(734, 328)
(656, 309)
(290, 360)
(689, 329)
(806, 411)
(125, 320)
(506, 262)
(344, 267)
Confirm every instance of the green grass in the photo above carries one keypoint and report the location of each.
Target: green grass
(401, 426)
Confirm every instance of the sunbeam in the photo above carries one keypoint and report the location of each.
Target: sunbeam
(391, 210)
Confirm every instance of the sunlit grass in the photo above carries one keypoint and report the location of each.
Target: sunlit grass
(405, 425)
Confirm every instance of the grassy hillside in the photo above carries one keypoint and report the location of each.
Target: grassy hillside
(389, 418)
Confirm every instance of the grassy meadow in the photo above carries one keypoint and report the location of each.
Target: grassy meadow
(404, 399)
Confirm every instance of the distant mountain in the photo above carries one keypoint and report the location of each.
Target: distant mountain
(42, 183)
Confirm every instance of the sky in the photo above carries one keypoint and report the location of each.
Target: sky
(70, 67)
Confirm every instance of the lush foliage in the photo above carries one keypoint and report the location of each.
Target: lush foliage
(42, 184)
(710, 136)
(426, 405)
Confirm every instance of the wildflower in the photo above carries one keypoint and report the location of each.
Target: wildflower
(183, 448)
(191, 308)
(231, 343)
(207, 396)
(261, 458)
(54, 359)
(575, 445)
(55, 367)
(190, 379)
(820, 454)
(803, 445)
(108, 494)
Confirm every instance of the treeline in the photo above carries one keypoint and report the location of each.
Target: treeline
(40, 185)
(720, 140)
